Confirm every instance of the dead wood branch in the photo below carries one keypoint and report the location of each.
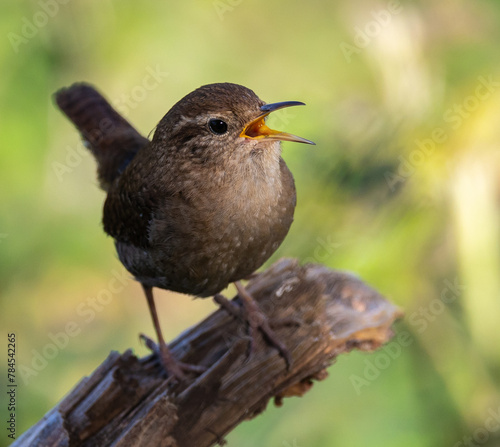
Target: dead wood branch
(127, 402)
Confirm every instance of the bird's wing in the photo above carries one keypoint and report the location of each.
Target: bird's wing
(128, 212)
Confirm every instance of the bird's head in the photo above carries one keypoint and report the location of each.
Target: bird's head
(222, 120)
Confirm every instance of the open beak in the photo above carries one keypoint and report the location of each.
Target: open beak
(257, 129)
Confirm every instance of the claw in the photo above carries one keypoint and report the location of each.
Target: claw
(172, 367)
(258, 321)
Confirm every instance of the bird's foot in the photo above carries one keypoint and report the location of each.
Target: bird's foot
(258, 321)
(237, 312)
(174, 368)
(228, 306)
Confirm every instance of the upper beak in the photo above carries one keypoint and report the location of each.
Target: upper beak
(257, 129)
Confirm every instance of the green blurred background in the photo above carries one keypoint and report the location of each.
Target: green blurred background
(403, 188)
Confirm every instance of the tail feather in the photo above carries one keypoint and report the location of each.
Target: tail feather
(110, 137)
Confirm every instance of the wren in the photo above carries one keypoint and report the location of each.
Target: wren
(203, 204)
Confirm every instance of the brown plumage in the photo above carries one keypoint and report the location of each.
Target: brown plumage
(205, 203)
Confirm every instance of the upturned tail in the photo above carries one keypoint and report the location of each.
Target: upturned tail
(110, 137)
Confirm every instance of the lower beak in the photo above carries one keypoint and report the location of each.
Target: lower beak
(257, 129)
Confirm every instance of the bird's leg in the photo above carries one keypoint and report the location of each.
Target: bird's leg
(170, 364)
(228, 306)
(257, 320)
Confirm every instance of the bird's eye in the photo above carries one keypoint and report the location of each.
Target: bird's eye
(217, 126)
